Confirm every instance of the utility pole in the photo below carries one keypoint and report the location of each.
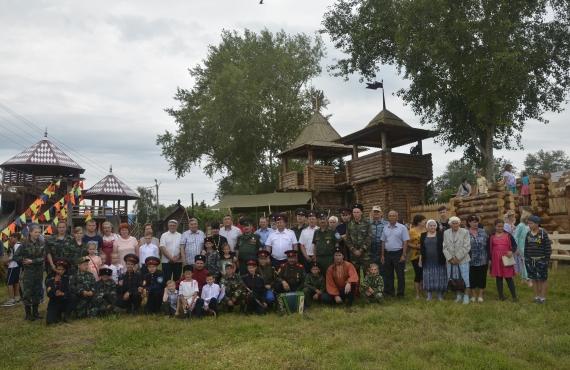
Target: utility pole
(192, 204)
(157, 202)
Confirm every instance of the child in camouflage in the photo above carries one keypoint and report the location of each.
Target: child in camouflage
(372, 285)
(315, 285)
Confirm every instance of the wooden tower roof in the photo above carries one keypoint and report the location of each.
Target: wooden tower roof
(319, 136)
(109, 188)
(397, 131)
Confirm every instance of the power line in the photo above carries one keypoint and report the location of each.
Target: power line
(13, 141)
(21, 137)
(19, 127)
(24, 120)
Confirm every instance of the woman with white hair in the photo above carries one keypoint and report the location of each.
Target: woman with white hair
(432, 261)
(520, 236)
(456, 247)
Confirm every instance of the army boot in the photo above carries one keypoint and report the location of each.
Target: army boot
(29, 316)
(36, 314)
(241, 310)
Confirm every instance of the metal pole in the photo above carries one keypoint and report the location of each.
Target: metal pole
(192, 204)
(157, 203)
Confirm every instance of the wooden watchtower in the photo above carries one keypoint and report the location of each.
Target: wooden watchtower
(390, 180)
(28, 174)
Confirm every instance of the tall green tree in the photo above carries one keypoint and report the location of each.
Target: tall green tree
(250, 100)
(478, 69)
(546, 162)
(145, 207)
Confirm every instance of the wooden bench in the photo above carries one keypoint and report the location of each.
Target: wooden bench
(560, 252)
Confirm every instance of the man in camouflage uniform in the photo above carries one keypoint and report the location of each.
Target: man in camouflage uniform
(247, 244)
(82, 284)
(314, 285)
(31, 255)
(107, 290)
(372, 286)
(234, 290)
(291, 275)
(358, 240)
(54, 247)
(325, 240)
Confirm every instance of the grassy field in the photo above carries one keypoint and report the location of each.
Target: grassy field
(409, 334)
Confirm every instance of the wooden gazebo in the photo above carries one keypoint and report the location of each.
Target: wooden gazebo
(108, 189)
(26, 176)
(390, 180)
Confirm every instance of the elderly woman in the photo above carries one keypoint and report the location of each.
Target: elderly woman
(520, 236)
(125, 243)
(502, 244)
(147, 228)
(109, 238)
(432, 261)
(479, 258)
(456, 247)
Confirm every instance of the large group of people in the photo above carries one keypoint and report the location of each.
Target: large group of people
(318, 260)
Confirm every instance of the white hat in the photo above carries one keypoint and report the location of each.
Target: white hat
(376, 208)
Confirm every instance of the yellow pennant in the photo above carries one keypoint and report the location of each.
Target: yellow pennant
(46, 215)
(88, 218)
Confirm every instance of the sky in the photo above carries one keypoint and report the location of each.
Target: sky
(99, 75)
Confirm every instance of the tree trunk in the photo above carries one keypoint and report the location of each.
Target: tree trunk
(487, 157)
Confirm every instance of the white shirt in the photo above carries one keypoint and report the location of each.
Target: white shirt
(171, 241)
(147, 250)
(281, 241)
(306, 238)
(232, 235)
(117, 271)
(188, 289)
(13, 264)
(209, 292)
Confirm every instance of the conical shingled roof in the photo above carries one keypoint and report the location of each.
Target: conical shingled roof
(110, 187)
(389, 118)
(44, 153)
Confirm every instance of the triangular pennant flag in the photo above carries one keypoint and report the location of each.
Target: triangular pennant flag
(18, 222)
(72, 200)
(28, 212)
(99, 228)
(41, 200)
(81, 185)
(83, 204)
(34, 218)
(88, 218)
(6, 245)
(57, 206)
(12, 227)
(58, 182)
(49, 230)
(34, 208)
(42, 218)
(78, 192)
(6, 231)
(47, 216)
(87, 212)
(66, 197)
(23, 218)
(81, 198)
(55, 221)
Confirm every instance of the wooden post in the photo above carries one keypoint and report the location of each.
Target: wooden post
(420, 148)
(354, 151)
(284, 165)
(385, 144)
(310, 157)
(408, 208)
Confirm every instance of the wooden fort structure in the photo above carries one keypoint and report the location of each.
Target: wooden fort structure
(385, 178)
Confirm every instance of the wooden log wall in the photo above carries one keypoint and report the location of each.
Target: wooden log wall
(289, 180)
(330, 201)
(320, 177)
(430, 211)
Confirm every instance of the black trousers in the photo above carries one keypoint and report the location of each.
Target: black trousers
(171, 269)
(347, 298)
(133, 302)
(278, 288)
(167, 310)
(199, 307)
(253, 305)
(391, 263)
(153, 302)
(58, 306)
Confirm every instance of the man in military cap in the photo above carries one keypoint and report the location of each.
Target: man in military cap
(82, 284)
(268, 273)
(255, 286)
(358, 240)
(290, 275)
(280, 241)
(234, 289)
(345, 216)
(341, 280)
(315, 285)
(377, 224)
(130, 286)
(247, 244)
(199, 271)
(324, 241)
(153, 286)
(301, 216)
(273, 221)
(61, 299)
(107, 289)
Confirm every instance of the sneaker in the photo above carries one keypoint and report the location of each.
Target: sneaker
(537, 300)
(480, 299)
(542, 301)
(472, 299)
(458, 299)
(466, 300)
(9, 303)
(17, 299)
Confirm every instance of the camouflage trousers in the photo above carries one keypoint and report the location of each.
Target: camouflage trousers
(309, 293)
(374, 298)
(362, 262)
(240, 300)
(88, 307)
(33, 276)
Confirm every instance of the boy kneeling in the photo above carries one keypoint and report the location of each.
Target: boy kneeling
(234, 290)
(315, 285)
(256, 288)
(130, 286)
(107, 289)
(372, 285)
(82, 284)
(61, 299)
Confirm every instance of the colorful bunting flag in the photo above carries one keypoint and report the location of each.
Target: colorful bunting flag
(58, 182)
(55, 221)
(49, 230)
(88, 218)
(6, 231)
(28, 212)
(12, 227)
(46, 215)
(23, 218)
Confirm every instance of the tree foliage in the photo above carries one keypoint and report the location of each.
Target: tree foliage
(479, 69)
(251, 98)
(546, 162)
(144, 209)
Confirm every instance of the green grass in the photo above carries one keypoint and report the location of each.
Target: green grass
(413, 334)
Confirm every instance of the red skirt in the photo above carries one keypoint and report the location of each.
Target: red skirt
(525, 190)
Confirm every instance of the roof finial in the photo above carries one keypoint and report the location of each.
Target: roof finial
(110, 169)
(378, 85)
(318, 99)
(45, 133)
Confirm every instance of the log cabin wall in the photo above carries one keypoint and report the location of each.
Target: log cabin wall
(330, 201)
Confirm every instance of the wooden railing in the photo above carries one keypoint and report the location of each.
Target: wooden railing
(95, 211)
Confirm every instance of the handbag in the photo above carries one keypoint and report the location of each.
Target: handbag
(456, 284)
(508, 261)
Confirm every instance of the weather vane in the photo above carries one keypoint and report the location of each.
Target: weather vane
(318, 99)
(378, 85)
